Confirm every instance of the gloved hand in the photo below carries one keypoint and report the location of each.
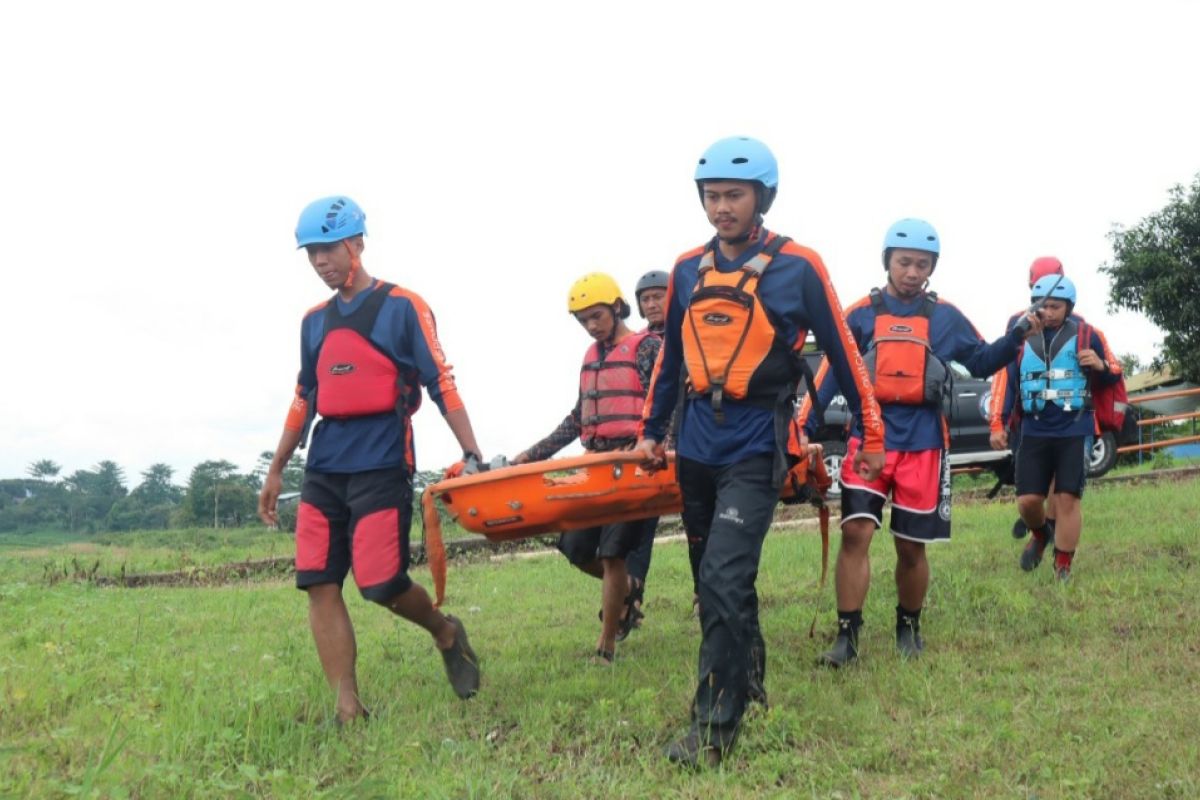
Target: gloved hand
(470, 464)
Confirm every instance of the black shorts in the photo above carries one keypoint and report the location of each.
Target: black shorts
(606, 541)
(1045, 459)
(358, 520)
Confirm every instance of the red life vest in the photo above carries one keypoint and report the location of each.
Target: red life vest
(611, 395)
(354, 377)
(729, 344)
(900, 359)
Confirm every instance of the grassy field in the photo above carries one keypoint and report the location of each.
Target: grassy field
(1028, 689)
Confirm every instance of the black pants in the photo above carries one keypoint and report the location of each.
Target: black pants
(638, 560)
(730, 509)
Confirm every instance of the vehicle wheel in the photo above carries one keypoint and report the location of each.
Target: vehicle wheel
(834, 453)
(1103, 455)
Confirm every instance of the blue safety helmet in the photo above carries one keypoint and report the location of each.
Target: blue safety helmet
(1065, 290)
(912, 234)
(740, 158)
(328, 220)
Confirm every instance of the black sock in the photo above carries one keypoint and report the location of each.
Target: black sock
(906, 618)
(850, 621)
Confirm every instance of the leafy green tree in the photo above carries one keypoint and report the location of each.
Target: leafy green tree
(293, 473)
(91, 494)
(156, 487)
(1130, 363)
(29, 504)
(1156, 271)
(44, 470)
(218, 495)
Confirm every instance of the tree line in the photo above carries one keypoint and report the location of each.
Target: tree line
(99, 499)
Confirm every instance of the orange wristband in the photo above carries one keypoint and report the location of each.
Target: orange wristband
(297, 413)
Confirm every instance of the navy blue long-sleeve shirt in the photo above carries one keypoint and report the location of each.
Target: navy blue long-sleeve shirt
(952, 338)
(798, 296)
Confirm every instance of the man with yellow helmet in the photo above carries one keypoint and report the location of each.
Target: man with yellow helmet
(612, 390)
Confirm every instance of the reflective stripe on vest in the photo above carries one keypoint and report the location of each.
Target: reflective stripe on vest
(729, 344)
(900, 359)
(1055, 379)
(611, 394)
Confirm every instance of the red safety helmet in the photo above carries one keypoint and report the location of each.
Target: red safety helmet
(1041, 267)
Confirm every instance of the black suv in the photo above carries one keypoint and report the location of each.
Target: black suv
(969, 431)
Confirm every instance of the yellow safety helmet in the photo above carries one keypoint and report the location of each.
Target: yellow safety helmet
(593, 289)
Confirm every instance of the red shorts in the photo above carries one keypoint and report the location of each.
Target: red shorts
(919, 485)
(358, 520)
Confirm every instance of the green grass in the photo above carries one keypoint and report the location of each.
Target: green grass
(1028, 689)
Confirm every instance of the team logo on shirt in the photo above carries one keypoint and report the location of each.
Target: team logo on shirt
(344, 368)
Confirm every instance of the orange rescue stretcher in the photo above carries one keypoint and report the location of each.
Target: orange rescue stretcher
(566, 494)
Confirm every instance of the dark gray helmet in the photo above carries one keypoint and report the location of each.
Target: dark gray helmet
(655, 279)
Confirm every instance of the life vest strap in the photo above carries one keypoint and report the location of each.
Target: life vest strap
(596, 366)
(595, 394)
(928, 304)
(596, 419)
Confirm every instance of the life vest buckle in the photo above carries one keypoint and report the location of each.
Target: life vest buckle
(715, 400)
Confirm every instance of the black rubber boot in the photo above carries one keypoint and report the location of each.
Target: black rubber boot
(692, 753)
(908, 636)
(845, 647)
(462, 667)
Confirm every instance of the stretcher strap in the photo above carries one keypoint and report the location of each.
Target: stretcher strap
(824, 516)
(435, 549)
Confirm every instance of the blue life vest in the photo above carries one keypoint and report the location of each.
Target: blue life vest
(1056, 378)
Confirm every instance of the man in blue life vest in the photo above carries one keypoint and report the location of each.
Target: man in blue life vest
(1004, 411)
(1052, 376)
(907, 336)
(364, 356)
(738, 308)
(612, 391)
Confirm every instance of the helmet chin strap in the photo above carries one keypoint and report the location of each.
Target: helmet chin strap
(611, 339)
(355, 264)
(750, 234)
(900, 293)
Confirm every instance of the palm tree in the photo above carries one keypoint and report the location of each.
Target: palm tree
(44, 469)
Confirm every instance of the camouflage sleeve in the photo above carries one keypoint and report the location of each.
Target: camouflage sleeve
(647, 354)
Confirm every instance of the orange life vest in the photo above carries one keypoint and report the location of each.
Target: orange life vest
(730, 346)
(900, 359)
(611, 394)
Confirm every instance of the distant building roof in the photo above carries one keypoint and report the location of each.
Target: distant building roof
(1151, 379)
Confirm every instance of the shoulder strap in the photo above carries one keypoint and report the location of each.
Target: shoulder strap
(877, 301)
(927, 307)
(760, 261)
(367, 312)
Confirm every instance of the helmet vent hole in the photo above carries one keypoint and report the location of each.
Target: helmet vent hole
(741, 160)
(704, 161)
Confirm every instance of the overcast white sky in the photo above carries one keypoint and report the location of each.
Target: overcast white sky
(156, 155)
